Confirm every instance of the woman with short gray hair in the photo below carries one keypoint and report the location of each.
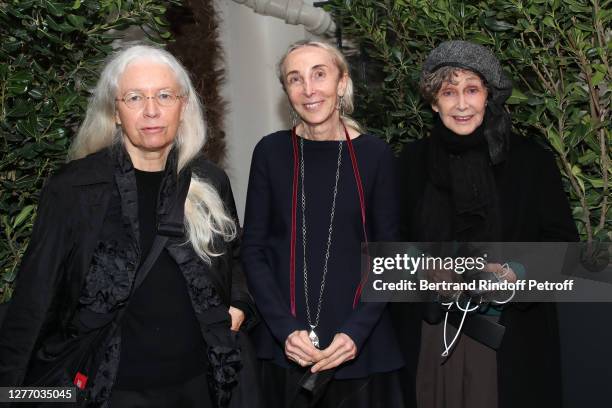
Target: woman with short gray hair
(316, 192)
(473, 180)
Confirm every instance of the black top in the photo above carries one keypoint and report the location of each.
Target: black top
(267, 236)
(161, 341)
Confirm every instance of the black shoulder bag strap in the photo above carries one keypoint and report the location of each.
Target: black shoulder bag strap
(172, 227)
(158, 246)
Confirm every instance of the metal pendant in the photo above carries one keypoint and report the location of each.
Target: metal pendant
(313, 337)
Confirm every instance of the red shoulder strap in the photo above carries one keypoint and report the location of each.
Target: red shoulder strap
(355, 166)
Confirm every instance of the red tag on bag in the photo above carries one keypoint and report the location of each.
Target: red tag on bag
(80, 380)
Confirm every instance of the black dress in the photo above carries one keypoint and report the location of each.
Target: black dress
(266, 254)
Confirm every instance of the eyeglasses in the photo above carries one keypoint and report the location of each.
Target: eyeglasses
(136, 100)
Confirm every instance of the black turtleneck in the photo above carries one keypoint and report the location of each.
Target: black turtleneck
(161, 343)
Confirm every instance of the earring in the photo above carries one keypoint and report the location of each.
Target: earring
(118, 133)
(341, 104)
(294, 116)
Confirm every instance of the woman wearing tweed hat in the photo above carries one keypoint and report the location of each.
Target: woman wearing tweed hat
(473, 180)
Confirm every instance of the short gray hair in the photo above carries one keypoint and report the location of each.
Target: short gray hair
(339, 59)
(431, 82)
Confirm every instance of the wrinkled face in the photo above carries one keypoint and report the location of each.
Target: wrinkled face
(461, 104)
(150, 127)
(313, 83)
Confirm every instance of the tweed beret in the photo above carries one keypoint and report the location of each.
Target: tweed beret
(474, 57)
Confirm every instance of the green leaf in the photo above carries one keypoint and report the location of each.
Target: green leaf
(555, 140)
(35, 93)
(498, 25)
(20, 109)
(549, 21)
(595, 182)
(577, 8)
(27, 127)
(65, 101)
(62, 28)
(17, 83)
(54, 7)
(56, 134)
(76, 21)
(159, 21)
(23, 215)
(589, 157)
(517, 97)
(598, 78)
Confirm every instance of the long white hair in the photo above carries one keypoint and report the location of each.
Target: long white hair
(205, 215)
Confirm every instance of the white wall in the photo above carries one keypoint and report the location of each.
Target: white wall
(257, 105)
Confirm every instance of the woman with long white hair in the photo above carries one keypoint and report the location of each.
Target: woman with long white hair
(127, 284)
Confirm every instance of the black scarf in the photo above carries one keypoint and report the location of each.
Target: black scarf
(460, 199)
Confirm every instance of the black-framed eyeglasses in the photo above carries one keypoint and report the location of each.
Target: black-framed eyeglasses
(137, 100)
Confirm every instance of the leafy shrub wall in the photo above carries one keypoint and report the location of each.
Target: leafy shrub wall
(557, 52)
(50, 54)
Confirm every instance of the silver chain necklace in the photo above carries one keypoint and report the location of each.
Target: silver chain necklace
(313, 335)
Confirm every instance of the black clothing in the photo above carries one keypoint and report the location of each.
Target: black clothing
(380, 390)
(83, 255)
(459, 200)
(532, 202)
(267, 243)
(160, 320)
(188, 394)
(532, 207)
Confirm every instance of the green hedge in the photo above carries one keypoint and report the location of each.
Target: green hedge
(50, 57)
(557, 52)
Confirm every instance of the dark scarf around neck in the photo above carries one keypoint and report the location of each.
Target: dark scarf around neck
(460, 201)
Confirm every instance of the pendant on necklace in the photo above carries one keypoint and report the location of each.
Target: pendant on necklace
(313, 337)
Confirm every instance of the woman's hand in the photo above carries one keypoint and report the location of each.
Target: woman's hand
(341, 349)
(503, 272)
(237, 316)
(442, 275)
(299, 348)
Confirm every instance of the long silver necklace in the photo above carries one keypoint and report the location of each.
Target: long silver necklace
(314, 338)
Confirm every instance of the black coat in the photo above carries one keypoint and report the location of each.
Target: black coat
(534, 208)
(64, 240)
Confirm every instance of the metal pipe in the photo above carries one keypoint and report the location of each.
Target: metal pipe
(315, 20)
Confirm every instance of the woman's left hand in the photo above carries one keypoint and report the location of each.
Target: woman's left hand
(341, 349)
(237, 318)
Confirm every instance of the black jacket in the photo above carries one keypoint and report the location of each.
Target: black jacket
(534, 208)
(65, 242)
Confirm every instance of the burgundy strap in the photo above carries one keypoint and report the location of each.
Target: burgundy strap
(294, 215)
(363, 212)
(293, 220)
